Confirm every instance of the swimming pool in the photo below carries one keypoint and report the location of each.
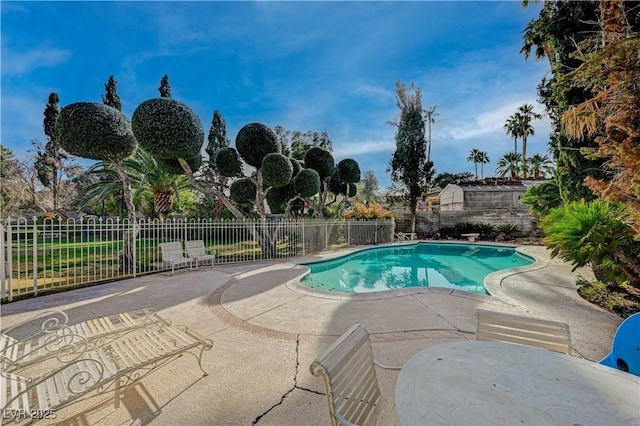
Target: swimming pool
(460, 266)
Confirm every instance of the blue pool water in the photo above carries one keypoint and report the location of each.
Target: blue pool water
(460, 266)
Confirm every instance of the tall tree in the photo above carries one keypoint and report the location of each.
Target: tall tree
(10, 175)
(526, 129)
(555, 35)
(483, 159)
(513, 127)
(409, 164)
(165, 87)
(49, 160)
(217, 140)
(475, 157)
(429, 115)
(111, 96)
(611, 71)
(369, 187)
(295, 143)
(100, 132)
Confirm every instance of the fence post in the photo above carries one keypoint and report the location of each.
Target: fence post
(3, 262)
(348, 233)
(134, 249)
(326, 235)
(35, 257)
(304, 242)
(10, 258)
(375, 239)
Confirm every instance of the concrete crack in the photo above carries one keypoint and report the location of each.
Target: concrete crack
(295, 385)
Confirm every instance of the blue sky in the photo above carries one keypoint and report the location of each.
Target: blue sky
(302, 65)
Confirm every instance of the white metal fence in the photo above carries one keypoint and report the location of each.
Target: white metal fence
(41, 256)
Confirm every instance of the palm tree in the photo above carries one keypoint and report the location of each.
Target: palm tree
(146, 177)
(484, 159)
(540, 165)
(475, 157)
(513, 125)
(428, 118)
(510, 163)
(526, 129)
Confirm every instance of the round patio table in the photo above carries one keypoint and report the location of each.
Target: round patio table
(484, 382)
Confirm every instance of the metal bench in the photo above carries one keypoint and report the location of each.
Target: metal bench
(172, 255)
(196, 251)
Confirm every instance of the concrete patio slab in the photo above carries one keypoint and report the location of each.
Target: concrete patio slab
(267, 330)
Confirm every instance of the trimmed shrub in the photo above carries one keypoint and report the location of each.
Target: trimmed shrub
(254, 141)
(228, 162)
(171, 165)
(296, 166)
(243, 190)
(95, 131)
(348, 171)
(362, 212)
(167, 128)
(307, 183)
(277, 198)
(321, 161)
(277, 170)
(353, 189)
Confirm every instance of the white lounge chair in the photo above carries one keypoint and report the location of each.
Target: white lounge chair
(509, 328)
(196, 251)
(172, 255)
(54, 333)
(118, 364)
(348, 370)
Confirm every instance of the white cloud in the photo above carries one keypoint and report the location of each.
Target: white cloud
(21, 121)
(486, 122)
(18, 63)
(364, 147)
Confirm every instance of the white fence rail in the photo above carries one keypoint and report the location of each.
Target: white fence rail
(56, 254)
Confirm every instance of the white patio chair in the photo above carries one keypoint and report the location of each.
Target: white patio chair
(118, 364)
(172, 255)
(348, 370)
(509, 328)
(196, 251)
(54, 333)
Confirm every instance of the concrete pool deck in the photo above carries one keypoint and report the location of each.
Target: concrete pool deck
(267, 330)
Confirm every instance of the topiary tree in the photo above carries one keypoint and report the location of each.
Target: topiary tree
(167, 128)
(277, 170)
(228, 162)
(349, 171)
(98, 132)
(103, 133)
(323, 163)
(258, 147)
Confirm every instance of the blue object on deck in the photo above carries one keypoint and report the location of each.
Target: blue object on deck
(625, 350)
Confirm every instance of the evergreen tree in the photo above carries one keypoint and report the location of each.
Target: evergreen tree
(409, 164)
(165, 87)
(217, 135)
(111, 98)
(49, 159)
(217, 140)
